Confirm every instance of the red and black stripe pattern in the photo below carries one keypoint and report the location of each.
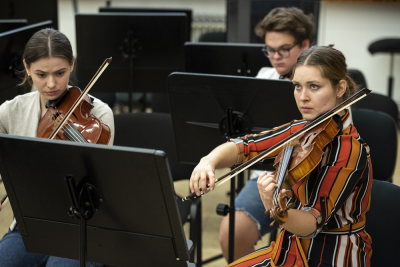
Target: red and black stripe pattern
(339, 188)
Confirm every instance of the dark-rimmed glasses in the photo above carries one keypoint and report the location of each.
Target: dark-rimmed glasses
(283, 52)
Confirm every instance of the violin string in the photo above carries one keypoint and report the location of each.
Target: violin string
(73, 134)
(282, 170)
(70, 131)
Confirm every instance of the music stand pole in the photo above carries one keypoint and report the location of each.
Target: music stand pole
(129, 50)
(84, 203)
(231, 248)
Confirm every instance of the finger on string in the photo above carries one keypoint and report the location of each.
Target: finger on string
(264, 174)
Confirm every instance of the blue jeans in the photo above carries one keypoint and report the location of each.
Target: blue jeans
(13, 254)
(249, 201)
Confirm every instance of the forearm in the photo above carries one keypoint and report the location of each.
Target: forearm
(300, 222)
(222, 156)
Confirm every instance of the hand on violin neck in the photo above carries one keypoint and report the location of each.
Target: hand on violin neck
(266, 184)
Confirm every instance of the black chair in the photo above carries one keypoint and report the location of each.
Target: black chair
(381, 103)
(108, 98)
(216, 37)
(391, 46)
(379, 131)
(358, 77)
(154, 130)
(385, 234)
(374, 101)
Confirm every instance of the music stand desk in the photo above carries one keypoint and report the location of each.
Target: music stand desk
(199, 102)
(137, 222)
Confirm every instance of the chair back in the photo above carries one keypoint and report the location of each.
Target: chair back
(380, 103)
(154, 131)
(374, 101)
(379, 131)
(358, 77)
(382, 224)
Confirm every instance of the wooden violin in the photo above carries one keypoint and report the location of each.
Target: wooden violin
(69, 118)
(302, 168)
(297, 161)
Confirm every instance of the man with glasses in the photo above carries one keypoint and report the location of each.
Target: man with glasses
(287, 33)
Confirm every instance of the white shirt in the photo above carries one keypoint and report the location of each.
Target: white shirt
(268, 73)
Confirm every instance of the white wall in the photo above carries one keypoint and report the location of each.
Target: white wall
(352, 27)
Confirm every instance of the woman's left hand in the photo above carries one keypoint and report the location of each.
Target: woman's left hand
(266, 184)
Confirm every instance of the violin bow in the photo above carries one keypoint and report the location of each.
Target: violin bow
(226, 177)
(83, 94)
(4, 200)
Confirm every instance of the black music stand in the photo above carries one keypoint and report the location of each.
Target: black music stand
(145, 47)
(225, 58)
(22, 9)
(131, 194)
(186, 11)
(199, 104)
(209, 109)
(12, 45)
(11, 24)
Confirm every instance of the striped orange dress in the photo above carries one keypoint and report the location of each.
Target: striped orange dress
(339, 188)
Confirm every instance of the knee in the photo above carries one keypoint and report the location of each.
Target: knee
(224, 230)
(245, 228)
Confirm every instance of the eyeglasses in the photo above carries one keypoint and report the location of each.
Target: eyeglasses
(283, 52)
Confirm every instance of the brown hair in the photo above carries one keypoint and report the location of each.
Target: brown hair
(332, 64)
(44, 44)
(290, 19)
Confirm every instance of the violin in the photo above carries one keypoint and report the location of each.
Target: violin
(81, 127)
(69, 118)
(297, 161)
(307, 132)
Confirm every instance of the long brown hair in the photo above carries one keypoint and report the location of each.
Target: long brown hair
(44, 44)
(332, 64)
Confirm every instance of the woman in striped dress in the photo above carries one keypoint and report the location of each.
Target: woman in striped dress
(326, 225)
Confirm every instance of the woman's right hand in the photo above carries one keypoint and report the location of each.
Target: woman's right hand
(203, 174)
(223, 156)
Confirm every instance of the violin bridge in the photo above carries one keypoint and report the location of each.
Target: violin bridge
(294, 142)
(57, 118)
